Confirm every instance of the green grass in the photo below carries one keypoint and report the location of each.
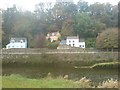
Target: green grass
(0, 82)
(17, 81)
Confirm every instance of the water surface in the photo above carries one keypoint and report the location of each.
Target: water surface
(96, 75)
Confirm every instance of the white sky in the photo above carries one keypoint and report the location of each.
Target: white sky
(29, 4)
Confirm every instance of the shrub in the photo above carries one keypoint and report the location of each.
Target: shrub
(108, 39)
(110, 83)
(52, 45)
(84, 82)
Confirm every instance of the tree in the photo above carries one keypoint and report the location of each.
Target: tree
(114, 16)
(40, 23)
(9, 17)
(104, 13)
(119, 15)
(70, 10)
(39, 41)
(108, 39)
(83, 25)
(67, 28)
(0, 28)
(82, 6)
(97, 28)
(22, 25)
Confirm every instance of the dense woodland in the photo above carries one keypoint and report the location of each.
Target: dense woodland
(89, 21)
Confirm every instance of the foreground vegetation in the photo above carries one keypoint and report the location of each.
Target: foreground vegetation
(17, 81)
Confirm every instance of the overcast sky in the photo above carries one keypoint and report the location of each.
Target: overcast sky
(29, 4)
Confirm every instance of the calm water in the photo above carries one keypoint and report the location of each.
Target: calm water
(96, 75)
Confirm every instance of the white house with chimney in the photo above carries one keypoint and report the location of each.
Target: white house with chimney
(17, 43)
(74, 41)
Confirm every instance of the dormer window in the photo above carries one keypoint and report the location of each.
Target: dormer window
(48, 35)
(53, 34)
(21, 41)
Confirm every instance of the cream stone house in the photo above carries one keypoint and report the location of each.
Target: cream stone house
(53, 36)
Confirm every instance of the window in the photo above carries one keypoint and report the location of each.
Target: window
(83, 46)
(73, 41)
(73, 45)
(48, 35)
(80, 45)
(69, 44)
(53, 34)
(21, 41)
(69, 41)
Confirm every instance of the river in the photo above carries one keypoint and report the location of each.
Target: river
(96, 75)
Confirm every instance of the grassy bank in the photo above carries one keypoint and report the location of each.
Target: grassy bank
(61, 59)
(17, 81)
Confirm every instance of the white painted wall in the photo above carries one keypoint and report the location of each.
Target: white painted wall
(16, 45)
(82, 44)
(75, 42)
(72, 42)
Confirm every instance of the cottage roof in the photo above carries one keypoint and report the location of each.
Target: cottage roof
(16, 39)
(55, 33)
(72, 37)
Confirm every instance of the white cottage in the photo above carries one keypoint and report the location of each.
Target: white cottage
(74, 41)
(17, 43)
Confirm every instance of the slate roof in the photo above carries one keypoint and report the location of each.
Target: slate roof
(63, 42)
(72, 37)
(76, 37)
(18, 39)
